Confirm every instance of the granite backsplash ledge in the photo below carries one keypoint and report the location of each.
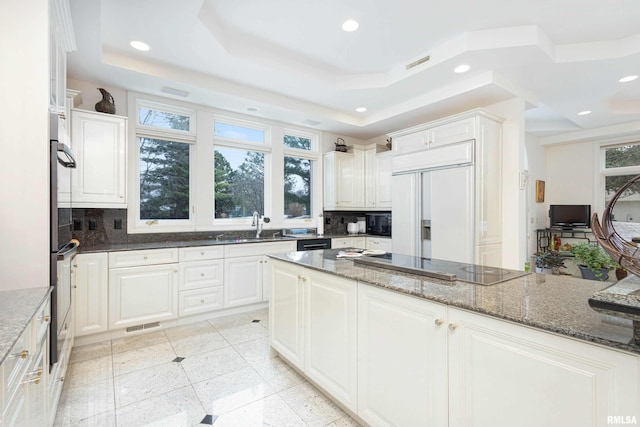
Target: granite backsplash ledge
(97, 227)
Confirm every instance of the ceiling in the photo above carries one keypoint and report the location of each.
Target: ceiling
(290, 59)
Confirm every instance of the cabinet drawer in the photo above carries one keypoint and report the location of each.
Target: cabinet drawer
(379, 243)
(203, 274)
(140, 258)
(254, 249)
(16, 363)
(201, 253)
(200, 300)
(347, 242)
(41, 321)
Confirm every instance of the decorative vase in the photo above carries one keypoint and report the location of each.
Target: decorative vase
(107, 104)
(621, 273)
(589, 274)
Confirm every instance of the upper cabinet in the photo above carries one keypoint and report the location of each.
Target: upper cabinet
(62, 40)
(99, 142)
(357, 180)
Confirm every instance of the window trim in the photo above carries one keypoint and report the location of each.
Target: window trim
(189, 135)
(245, 124)
(604, 172)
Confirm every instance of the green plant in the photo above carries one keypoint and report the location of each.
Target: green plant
(549, 259)
(593, 257)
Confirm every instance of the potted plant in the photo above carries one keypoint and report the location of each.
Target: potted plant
(549, 262)
(594, 263)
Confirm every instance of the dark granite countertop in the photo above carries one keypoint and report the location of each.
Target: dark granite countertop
(552, 303)
(17, 308)
(205, 242)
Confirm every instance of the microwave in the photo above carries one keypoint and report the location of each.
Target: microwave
(379, 224)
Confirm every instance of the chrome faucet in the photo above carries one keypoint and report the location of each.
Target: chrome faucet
(255, 222)
(218, 236)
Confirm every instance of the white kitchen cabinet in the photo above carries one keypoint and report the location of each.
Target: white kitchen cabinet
(99, 142)
(142, 295)
(91, 293)
(313, 325)
(343, 180)
(488, 177)
(348, 242)
(378, 243)
(244, 271)
(143, 257)
(421, 138)
(383, 188)
(330, 338)
(243, 280)
(500, 372)
(286, 315)
(61, 41)
(25, 373)
(201, 280)
(402, 359)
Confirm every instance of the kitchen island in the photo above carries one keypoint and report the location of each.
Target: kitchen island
(400, 349)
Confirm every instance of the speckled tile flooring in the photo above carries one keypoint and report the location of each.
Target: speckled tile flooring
(217, 372)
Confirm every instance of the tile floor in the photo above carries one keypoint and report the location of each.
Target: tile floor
(218, 372)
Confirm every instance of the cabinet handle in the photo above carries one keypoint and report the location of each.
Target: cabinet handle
(62, 116)
(22, 355)
(75, 265)
(35, 380)
(439, 322)
(36, 373)
(61, 379)
(175, 271)
(452, 326)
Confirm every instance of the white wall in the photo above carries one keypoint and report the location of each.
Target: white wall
(328, 140)
(571, 174)
(91, 95)
(537, 213)
(24, 132)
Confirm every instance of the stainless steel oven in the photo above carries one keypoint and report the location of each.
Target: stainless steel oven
(62, 248)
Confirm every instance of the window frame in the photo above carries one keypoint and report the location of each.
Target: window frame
(604, 172)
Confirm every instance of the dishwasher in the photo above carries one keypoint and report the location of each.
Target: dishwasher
(313, 244)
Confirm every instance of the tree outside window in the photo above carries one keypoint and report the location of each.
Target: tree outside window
(239, 182)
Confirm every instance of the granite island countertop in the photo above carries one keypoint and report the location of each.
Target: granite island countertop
(17, 308)
(552, 303)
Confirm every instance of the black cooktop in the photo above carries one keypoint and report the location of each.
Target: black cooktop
(441, 269)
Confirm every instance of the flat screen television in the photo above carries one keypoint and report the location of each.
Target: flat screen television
(570, 216)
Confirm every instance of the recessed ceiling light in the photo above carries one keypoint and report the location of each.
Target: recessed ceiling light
(361, 109)
(627, 79)
(350, 25)
(584, 113)
(253, 109)
(139, 45)
(461, 68)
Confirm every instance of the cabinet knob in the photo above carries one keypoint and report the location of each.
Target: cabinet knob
(439, 322)
(46, 318)
(202, 301)
(299, 276)
(201, 274)
(452, 326)
(175, 271)
(304, 278)
(146, 257)
(201, 253)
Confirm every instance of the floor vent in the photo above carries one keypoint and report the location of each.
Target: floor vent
(142, 327)
(418, 62)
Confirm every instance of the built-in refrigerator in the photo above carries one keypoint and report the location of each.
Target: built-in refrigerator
(436, 219)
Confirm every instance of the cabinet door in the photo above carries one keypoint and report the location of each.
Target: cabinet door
(201, 274)
(200, 300)
(91, 294)
(500, 372)
(345, 180)
(402, 359)
(139, 295)
(370, 179)
(286, 312)
(378, 243)
(330, 339)
(99, 142)
(242, 281)
(382, 177)
(411, 143)
(347, 242)
(461, 130)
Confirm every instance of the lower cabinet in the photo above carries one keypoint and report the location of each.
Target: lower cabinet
(25, 374)
(402, 359)
(348, 242)
(91, 293)
(502, 374)
(378, 243)
(201, 286)
(313, 325)
(413, 362)
(243, 280)
(330, 340)
(140, 295)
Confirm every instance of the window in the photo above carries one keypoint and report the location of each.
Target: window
(164, 179)
(621, 164)
(164, 118)
(298, 142)
(239, 182)
(242, 133)
(297, 188)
